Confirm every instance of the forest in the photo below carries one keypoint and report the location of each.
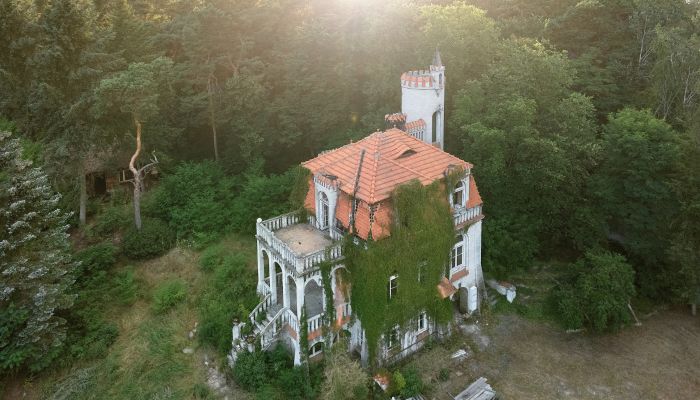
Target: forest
(581, 117)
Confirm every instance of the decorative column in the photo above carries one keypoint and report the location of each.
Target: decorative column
(285, 287)
(261, 269)
(273, 281)
(300, 297)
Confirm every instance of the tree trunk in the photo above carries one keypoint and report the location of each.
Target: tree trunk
(83, 196)
(137, 175)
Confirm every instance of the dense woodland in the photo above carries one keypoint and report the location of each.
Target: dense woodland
(582, 119)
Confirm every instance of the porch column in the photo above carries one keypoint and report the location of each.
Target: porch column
(300, 297)
(285, 288)
(332, 201)
(261, 270)
(273, 281)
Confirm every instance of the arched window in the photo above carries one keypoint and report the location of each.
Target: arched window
(316, 349)
(323, 211)
(457, 256)
(393, 286)
(458, 196)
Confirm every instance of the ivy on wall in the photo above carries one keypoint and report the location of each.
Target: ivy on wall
(422, 236)
(297, 196)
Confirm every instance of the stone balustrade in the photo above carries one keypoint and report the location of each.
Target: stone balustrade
(301, 264)
(463, 216)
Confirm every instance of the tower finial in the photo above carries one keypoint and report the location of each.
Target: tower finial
(437, 61)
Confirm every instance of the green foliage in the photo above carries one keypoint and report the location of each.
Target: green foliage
(641, 163)
(97, 257)
(229, 293)
(413, 384)
(444, 374)
(598, 292)
(35, 263)
(262, 197)
(154, 238)
(125, 287)
(250, 370)
(196, 198)
(110, 220)
(422, 235)
(169, 294)
(344, 378)
(201, 391)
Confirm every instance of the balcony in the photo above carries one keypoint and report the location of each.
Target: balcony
(299, 244)
(466, 216)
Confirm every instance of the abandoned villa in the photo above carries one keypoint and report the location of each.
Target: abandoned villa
(352, 186)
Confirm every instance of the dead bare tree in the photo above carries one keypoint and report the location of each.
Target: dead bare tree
(139, 174)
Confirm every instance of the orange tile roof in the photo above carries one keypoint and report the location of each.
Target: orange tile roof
(391, 158)
(474, 196)
(419, 123)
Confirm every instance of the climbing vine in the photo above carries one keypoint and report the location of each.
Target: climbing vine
(299, 191)
(422, 235)
(326, 268)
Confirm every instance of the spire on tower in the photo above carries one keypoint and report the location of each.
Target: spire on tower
(437, 61)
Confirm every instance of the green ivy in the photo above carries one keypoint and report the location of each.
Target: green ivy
(422, 235)
(299, 190)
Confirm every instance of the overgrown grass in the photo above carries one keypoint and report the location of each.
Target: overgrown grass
(146, 360)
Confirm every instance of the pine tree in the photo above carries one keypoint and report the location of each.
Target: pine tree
(35, 263)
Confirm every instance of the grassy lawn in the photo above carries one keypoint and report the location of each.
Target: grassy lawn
(147, 359)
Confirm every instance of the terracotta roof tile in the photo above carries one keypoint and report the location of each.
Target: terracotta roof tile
(382, 168)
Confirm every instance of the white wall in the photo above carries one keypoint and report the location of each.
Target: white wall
(419, 103)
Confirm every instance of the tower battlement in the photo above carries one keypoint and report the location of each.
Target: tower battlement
(420, 79)
(423, 99)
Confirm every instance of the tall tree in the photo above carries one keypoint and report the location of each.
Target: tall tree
(136, 94)
(35, 263)
(634, 189)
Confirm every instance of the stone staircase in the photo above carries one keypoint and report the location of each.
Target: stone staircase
(267, 320)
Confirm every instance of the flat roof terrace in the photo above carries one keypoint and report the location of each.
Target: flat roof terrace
(303, 239)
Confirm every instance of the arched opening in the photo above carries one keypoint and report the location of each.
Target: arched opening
(292, 291)
(278, 279)
(317, 348)
(433, 127)
(313, 299)
(323, 211)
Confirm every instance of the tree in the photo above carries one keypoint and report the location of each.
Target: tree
(36, 266)
(136, 92)
(633, 186)
(599, 292)
(345, 378)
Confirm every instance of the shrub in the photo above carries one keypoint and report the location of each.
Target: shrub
(195, 198)
(444, 375)
(413, 383)
(98, 257)
(262, 197)
(230, 292)
(125, 287)
(398, 383)
(154, 238)
(201, 391)
(168, 295)
(111, 220)
(249, 372)
(598, 293)
(294, 383)
(212, 257)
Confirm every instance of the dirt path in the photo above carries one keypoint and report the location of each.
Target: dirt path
(659, 360)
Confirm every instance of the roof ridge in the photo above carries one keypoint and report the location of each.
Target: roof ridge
(377, 154)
